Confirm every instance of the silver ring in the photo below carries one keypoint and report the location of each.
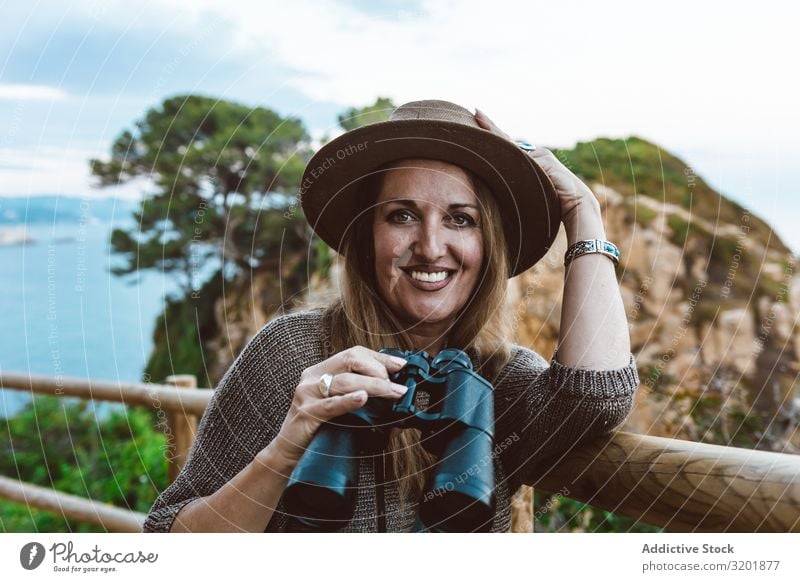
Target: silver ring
(325, 382)
(528, 147)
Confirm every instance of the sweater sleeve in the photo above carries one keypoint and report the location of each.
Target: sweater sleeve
(542, 412)
(244, 414)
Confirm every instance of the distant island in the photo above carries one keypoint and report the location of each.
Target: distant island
(48, 209)
(19, 212)
(15, 235)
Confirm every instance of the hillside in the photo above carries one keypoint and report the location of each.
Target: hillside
(711, 294)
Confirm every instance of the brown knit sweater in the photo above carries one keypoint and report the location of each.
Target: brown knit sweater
(541, 412)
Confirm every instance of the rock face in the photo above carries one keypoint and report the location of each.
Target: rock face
(711, 295)
(694, 334)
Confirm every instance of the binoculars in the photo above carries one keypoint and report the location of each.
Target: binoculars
(457, 425)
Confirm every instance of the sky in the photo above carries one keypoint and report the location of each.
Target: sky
(714, 83)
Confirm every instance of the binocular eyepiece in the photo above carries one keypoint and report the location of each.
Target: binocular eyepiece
(457, 425)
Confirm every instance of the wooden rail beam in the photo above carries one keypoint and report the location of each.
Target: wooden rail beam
(109, 517)
(129, 393)
(682, 486)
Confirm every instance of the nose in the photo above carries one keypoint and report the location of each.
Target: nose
(431, 242)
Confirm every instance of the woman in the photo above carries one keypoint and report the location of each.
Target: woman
(432, 211)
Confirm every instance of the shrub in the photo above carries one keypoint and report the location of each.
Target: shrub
(105, 453)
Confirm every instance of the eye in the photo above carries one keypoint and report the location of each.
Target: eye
(397, 216)
(463, 220)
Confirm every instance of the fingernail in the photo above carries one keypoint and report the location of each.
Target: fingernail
(399, 388)
(399, 361)
(359, 396)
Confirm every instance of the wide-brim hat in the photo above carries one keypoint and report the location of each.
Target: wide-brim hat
(443, 131)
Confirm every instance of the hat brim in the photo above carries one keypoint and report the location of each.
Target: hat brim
(530, 209)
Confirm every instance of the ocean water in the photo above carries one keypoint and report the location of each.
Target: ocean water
(62, 313)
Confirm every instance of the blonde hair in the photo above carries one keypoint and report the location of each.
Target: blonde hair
(359, 316)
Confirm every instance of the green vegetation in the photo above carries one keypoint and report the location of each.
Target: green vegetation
(635, 166)
(731, 423)
(269, 231)
(554, 513)
(114, 456)
(359, 116)
(642, 214)
(324, 258)
(217, 166)
(733, 266)
(180, 334)
(681, 230)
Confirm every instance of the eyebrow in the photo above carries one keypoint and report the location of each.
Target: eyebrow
(413, 204)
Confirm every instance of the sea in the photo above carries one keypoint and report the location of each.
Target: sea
(63, 313)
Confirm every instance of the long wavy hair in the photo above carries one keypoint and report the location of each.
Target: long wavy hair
(358, 315)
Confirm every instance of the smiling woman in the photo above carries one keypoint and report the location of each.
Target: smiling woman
(428, 245)
(432, 216)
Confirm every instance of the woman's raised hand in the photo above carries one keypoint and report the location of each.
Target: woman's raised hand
(358, 373)
(572, 192)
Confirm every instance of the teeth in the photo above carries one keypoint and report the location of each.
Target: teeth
(430, 277)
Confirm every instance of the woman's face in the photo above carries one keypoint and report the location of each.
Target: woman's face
(428, 240)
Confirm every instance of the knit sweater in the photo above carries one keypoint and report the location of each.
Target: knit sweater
(541, 412)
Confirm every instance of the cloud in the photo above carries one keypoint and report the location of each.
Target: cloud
(55, 170)
(550, 72)
(32, 93)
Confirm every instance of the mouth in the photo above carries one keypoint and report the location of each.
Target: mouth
(428, 281)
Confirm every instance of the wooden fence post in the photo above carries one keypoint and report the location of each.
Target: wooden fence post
(182, 427)
(522, 510)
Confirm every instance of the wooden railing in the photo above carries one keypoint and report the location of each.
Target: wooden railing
(179, 399)
(683, 486)
(107, 516)
(679, 485)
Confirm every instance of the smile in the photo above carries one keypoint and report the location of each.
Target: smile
(429, 281)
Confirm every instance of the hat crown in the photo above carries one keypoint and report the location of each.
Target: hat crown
(435, 110)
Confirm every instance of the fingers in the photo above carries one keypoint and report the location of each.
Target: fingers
(486, 123)
(357, 359)
(327, 408)
(304, 420)
(349, 383)
(358, 374)
(543, 154)
(390, 362)
(364, 361)
(482, 119)
(353, 370)
(548, 161)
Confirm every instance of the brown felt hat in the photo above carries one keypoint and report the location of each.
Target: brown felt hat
(443, 131)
